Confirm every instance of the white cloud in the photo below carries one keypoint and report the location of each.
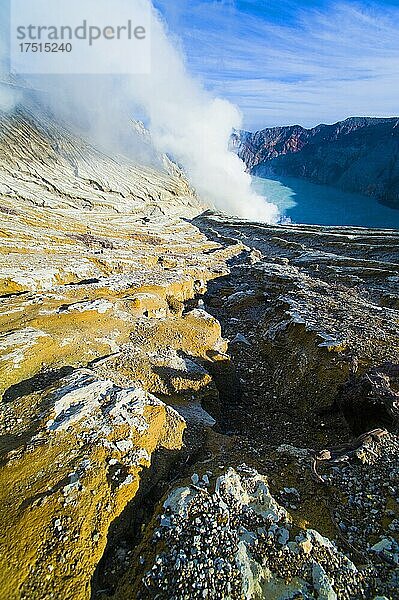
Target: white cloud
(324, 65)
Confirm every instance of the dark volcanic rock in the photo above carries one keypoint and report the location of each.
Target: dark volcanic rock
(359, 154)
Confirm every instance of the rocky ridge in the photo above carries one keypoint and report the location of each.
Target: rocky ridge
(192, 405)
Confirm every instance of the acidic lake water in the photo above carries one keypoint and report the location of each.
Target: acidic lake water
(307, 203)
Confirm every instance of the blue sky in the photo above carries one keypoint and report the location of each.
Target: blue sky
(292, 61)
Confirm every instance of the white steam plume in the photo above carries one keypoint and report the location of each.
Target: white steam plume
(9, 92)
(185, 121)
(195, 128)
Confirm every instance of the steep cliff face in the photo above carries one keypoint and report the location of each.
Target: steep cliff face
(358, 155)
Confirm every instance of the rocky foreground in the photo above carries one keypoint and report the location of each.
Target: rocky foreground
(192, 406)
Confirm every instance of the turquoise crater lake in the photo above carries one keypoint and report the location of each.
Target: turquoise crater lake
(307, 203)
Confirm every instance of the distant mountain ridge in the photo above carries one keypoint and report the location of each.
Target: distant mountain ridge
(359, 154)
